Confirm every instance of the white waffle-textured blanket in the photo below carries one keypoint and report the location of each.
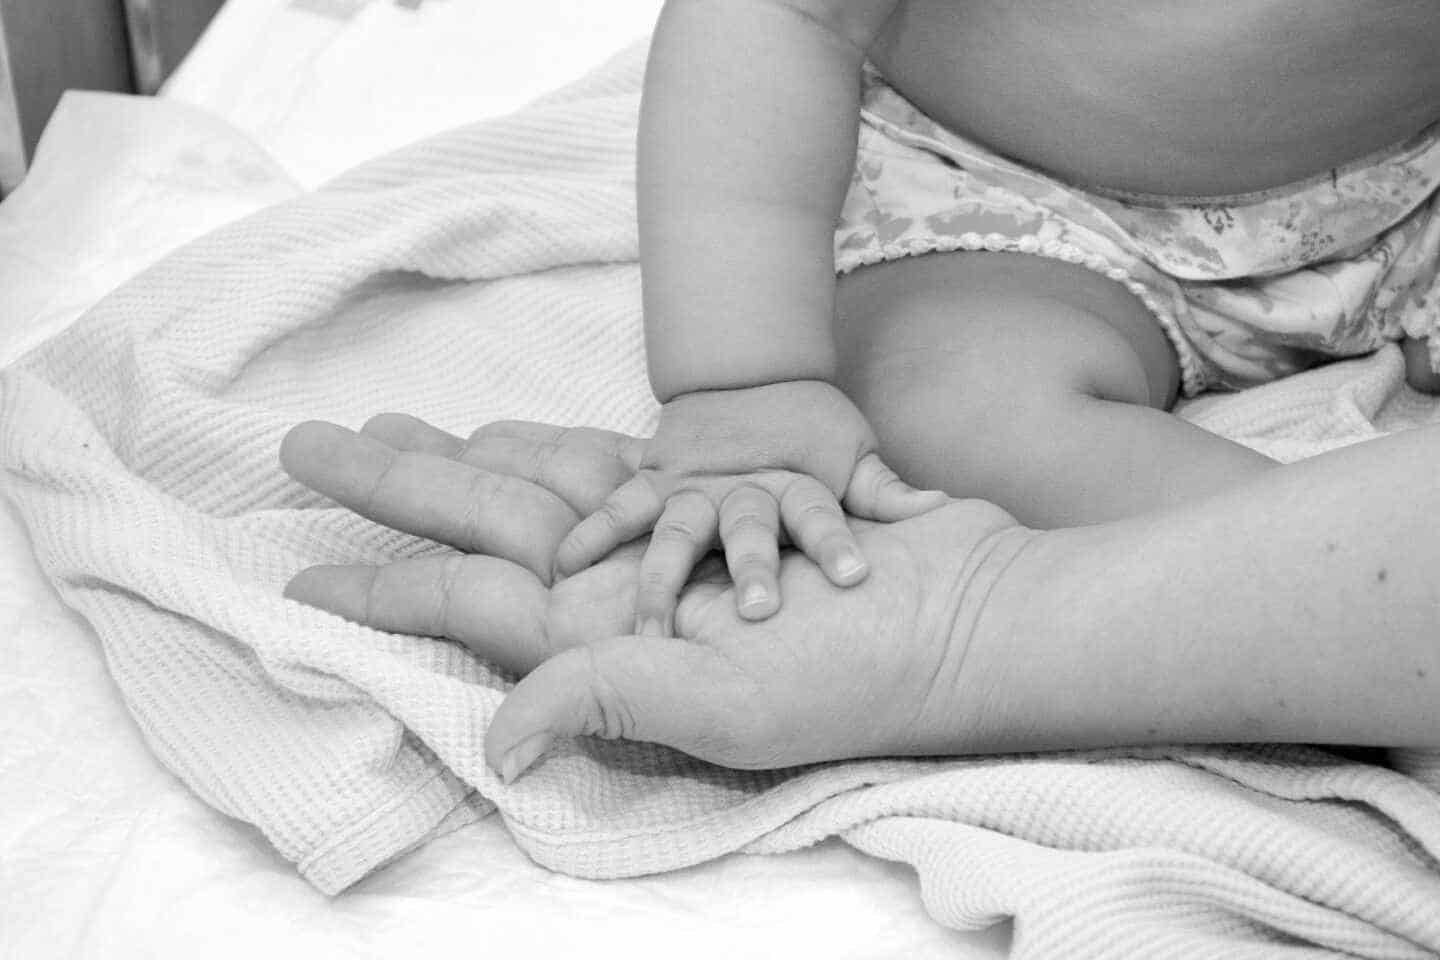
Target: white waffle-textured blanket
(490, 273)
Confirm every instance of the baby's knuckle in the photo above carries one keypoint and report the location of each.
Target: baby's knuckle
(609, 516)
(655, 586)
(747, 559)
(688, 499)
(746, 522)
(817, 509)
(671, 528)
(746, 491)
(584, 538)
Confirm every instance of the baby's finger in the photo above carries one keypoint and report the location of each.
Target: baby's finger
(683, 534)
(877, 493)
(750, 530)
(817, 526)
(626, 514)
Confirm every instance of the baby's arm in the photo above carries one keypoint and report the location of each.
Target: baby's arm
(747, 141)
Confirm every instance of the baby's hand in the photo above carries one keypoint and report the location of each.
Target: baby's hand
(741, 467)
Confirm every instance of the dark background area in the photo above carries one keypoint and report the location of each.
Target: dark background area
(127, 46)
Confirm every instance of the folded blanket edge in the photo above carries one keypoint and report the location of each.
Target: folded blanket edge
(435, 805)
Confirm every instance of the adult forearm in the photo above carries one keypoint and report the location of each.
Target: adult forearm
(1301, 606)
(747, 140)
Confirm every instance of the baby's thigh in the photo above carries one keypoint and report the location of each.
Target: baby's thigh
(948, 333)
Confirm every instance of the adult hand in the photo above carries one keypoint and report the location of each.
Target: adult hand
(869, 670)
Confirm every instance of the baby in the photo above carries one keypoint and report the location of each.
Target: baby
(1048, 219)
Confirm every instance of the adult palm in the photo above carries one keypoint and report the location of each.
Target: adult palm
(838, 672)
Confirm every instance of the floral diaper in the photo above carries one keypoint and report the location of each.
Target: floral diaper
(1248, 287)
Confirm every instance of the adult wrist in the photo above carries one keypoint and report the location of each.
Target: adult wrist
(990, 611)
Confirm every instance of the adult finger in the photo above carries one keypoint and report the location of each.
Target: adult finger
(876, 492)
(750, 531)
(581, 474)
(428, 496)
(626, 514)
(494, 607)
(404, 432)
(817, 526)
(580, 465)
(622, 446)
(657, 689)
(683, 534)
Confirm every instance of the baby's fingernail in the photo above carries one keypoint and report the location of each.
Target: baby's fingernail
(650, 627)
(849, 564)
(755, 595)
(519, 758)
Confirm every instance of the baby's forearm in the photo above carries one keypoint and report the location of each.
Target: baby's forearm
(1301, 606)
(747, 140)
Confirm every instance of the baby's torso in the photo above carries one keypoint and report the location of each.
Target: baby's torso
(1191, 97)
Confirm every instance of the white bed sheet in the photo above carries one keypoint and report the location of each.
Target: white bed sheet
(103, 853)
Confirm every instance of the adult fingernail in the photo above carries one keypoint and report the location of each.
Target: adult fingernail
(520, 757)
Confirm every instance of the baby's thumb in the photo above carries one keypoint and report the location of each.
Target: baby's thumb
(657, 689)
(877, 493)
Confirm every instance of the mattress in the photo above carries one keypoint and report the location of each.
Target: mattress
(104, 853)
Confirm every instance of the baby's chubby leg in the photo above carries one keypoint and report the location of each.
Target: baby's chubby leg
(1033, 383)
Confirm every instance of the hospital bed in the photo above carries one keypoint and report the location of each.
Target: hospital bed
(105, 854)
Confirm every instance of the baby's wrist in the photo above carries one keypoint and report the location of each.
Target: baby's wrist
(667, 386)
(805, 426)
(798, 387)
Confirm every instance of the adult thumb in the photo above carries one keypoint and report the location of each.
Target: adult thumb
(657, 689)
